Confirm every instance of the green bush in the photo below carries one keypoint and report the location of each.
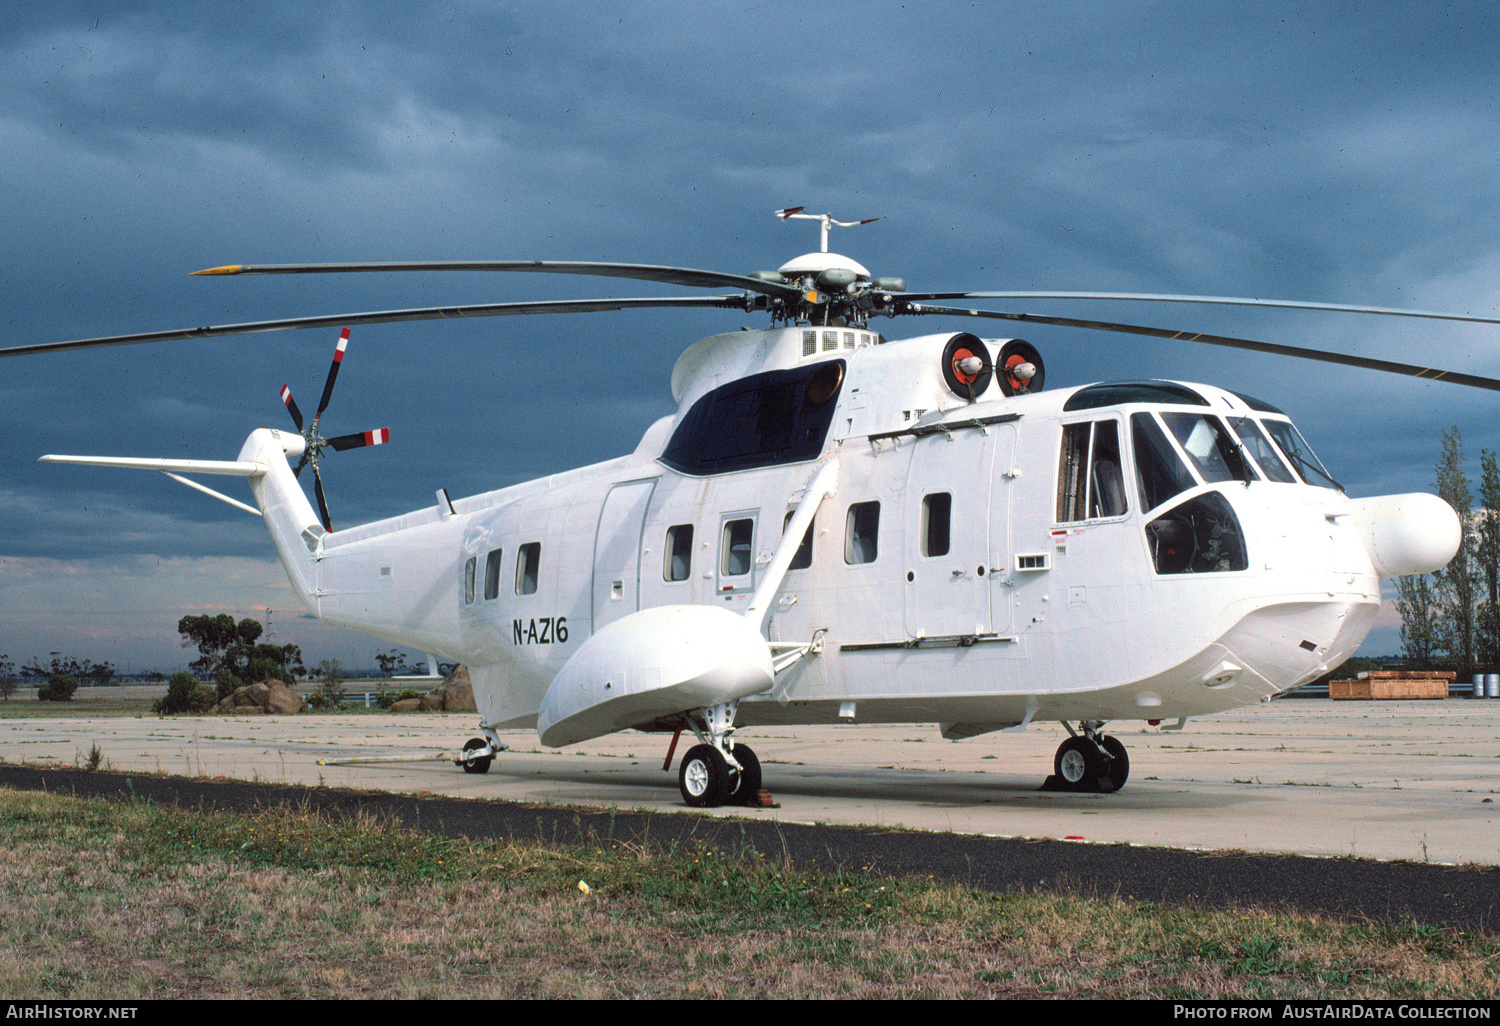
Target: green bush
(385, 698)
(185, 695)
(226, 683)
(59, 689)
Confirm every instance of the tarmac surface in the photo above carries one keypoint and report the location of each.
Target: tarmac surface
(1223, 811)
(1416, 781)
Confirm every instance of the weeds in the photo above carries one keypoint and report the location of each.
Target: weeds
(139, 900)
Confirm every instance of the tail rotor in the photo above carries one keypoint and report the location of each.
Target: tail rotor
(313, 451)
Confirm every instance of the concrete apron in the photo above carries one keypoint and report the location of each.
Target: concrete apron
(1385, 780)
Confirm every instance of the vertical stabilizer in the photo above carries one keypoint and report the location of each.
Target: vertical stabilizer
(293, 524)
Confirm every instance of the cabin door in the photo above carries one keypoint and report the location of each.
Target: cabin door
(617, 551)
(948, 535)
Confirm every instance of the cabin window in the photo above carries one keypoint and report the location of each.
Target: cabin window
(1159, 471)
(528, 560)
(760, 421)
(861, 537)
(1213, 452)
(739, 540)
(492, 574)
(469, 579)
(1090, 482)
(803, 558)
(1261, 450)
(937, 515)
(1300, 454)
(679, 562)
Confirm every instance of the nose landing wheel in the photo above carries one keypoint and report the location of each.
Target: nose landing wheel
(1090, 762)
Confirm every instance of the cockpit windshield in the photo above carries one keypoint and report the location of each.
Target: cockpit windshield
(1292, 445)
(1260, 449)
(1214, 453)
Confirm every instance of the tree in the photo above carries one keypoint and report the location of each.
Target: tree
(1456, 582)
(7, 682)
(1417, 602)
(59, 689)
(1487, 556)
(392, 662)
(184, 694)
(95, 673)
(231, 654)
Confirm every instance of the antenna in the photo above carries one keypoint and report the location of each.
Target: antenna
(824, 220)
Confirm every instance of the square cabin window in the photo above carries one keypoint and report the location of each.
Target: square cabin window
(527, 562)
(803, 559)
(739, 538)
(861, 538)
(469, 579)
(492, 574)
(679, 563)
(937, 515)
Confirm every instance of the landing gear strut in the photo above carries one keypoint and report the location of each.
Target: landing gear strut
(1089, 761)
(717, 771)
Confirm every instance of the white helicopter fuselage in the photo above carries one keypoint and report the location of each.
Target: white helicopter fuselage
(979, 563)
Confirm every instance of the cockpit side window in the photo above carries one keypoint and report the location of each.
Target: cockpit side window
(1159, 471)
(1261, 450)
(1090, 484)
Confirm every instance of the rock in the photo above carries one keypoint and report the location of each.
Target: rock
(263, 697)
(283, 699)
(455, 694)
(407, 705)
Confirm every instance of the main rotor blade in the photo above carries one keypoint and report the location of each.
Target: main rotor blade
(333, 373)
(377, 437)
(432, 313)
(1411, 370)
(322, 500)
(1147, 297)
(640, 272)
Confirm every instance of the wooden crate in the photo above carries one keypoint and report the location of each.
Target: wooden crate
(1378, 688)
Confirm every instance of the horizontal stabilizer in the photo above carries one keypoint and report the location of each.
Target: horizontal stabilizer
(228, 468)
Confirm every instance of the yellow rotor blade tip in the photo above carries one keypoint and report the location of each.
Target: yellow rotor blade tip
(226, 269)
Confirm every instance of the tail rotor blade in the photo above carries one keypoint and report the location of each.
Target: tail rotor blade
(322, 500)
(297, 470)
(379, 436)
(291, 406)
(333, 372)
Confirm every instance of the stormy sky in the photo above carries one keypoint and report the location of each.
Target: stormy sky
(1344, 153)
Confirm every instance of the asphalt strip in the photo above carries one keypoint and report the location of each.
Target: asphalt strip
(1463, 898)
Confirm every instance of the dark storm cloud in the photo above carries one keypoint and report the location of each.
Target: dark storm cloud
(1323, 152)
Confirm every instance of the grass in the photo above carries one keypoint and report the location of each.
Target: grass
(136, 900)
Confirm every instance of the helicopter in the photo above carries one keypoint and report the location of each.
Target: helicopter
(840, 527)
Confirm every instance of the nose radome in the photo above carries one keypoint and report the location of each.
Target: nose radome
(1407, 534)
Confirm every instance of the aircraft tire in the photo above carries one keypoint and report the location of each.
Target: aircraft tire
(747, 781)
(476, 765)
(1078, 764)
(1118, 766)
(703, 777)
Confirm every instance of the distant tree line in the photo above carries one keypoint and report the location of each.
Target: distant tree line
(1453, 616)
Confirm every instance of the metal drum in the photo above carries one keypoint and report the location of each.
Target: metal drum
(1478, 685)
(1492, 685)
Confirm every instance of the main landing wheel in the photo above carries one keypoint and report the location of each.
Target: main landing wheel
(704, 777)
(473, 763)
(1079, 764)
(746, 784)
(1118, 767)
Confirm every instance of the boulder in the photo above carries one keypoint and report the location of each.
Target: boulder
(263, 697)
(407, 705)
(455, 694)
